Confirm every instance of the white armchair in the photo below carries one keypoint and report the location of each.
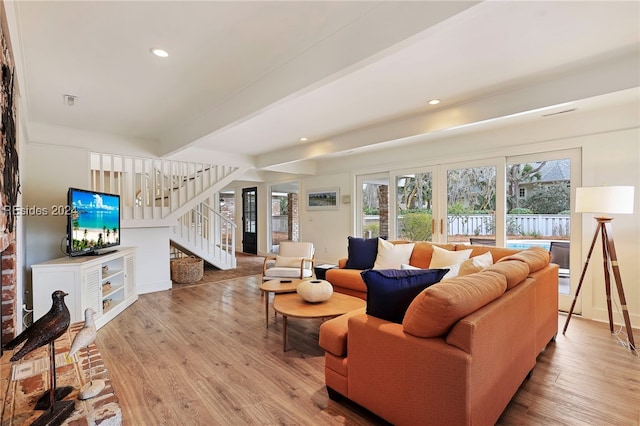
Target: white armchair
(294, 261)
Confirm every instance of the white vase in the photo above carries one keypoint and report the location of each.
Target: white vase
(315, 290)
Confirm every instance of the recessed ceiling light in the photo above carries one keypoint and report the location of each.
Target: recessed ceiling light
(159, 52)
(303, 139)
(434, 101)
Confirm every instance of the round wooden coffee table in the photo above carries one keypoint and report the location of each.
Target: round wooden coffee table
(276, 287)
(292, 305)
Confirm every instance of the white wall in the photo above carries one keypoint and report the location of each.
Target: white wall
(50, 172)
(152, 257)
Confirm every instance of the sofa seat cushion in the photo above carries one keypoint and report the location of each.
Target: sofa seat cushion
(435, 310)
(346, 278)
(333, 333)
(535, 257)
(514, 271)
(390, 291)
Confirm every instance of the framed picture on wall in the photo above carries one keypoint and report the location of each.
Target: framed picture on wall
(323, 199)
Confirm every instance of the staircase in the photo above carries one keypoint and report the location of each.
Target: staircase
(175, 194)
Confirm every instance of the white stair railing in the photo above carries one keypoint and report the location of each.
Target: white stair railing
(154, 188)
(158, 192)
(208, 234)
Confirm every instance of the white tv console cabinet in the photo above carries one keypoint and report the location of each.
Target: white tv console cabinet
(105, 283)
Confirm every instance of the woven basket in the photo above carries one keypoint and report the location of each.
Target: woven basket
(187, 269)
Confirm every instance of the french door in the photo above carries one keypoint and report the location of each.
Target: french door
(518, 201)
(540, 212)
(250, 220)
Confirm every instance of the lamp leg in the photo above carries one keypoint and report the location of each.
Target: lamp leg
(607, 275)
(584, 271)
(609, 257)
(611, 248)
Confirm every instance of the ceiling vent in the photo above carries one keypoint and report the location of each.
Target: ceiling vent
(559, 112)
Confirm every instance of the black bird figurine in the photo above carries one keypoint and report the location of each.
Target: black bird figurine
(45, 330)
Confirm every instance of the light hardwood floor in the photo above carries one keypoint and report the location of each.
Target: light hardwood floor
(201, 355)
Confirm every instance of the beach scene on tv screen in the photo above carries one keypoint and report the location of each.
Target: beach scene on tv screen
(94, 220)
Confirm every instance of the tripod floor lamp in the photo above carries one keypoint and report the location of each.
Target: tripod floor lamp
(605, 200)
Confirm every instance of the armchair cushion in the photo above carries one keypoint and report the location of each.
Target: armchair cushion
(288, 262)
(278, 272)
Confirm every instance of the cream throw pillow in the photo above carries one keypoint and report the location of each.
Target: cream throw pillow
(287, 262)
(470, 266)
(392, 256)
(442, 258)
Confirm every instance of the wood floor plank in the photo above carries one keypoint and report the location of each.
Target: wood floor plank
(202, 355)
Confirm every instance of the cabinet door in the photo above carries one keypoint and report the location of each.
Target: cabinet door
(46, 281)
(92, 295)
(129, 275)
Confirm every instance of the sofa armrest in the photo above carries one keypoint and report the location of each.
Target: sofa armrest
(402, 377)
(333, 333)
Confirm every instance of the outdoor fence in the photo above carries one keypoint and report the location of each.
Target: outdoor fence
(533, 225)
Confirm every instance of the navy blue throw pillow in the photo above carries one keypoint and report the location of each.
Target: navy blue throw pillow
(391, 291)
(362, 253)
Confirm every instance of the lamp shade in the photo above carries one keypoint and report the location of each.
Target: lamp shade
(605, 199)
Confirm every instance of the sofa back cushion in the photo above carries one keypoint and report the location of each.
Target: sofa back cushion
(497, 252)
(435, 310)
(514, 271)
(535, 257)
(390, 291)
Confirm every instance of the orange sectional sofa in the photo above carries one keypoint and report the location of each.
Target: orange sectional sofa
(350, 282)
(464, 347)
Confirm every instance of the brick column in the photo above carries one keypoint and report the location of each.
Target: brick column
(293, 217)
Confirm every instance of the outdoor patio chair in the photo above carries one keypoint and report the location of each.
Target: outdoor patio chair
(560, 256)
(482, 241)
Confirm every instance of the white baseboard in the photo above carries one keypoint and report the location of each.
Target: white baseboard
(153, 287)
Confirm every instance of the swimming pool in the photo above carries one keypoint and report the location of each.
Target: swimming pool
(525, 244)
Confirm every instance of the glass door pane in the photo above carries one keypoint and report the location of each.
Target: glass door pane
(471, 204)
(414, 206)
(538, 195)
(285, 220)
(374, 202)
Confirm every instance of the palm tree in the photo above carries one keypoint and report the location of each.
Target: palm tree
(76, 227)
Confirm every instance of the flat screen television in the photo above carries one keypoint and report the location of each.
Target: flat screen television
(93, 222)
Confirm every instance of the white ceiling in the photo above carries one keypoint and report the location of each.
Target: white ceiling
(246, 80)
